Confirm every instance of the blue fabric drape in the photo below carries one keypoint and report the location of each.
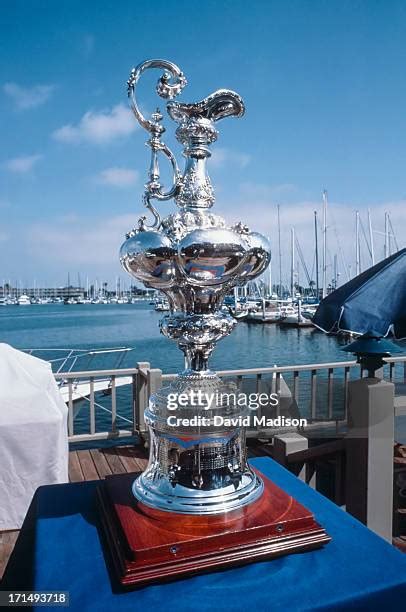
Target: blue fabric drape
(60, 549)
(372, 301)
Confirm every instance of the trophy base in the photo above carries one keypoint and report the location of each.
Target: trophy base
(149, 545)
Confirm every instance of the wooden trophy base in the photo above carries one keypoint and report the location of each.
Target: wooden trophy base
(149, 545)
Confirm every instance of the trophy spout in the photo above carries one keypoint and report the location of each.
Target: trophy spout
(218, 105)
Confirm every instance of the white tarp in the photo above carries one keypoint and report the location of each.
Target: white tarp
(33, 433)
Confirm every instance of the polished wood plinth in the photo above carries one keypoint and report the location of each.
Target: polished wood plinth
(149, 545)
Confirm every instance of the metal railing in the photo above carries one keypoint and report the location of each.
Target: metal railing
(297, 374)
(393, 362)
(318, 392)
(86, 387)
(300, 397)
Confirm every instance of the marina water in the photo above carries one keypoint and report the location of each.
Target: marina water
(136, 325)
(56, 326)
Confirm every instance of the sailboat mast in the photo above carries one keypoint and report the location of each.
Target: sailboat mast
(280, 253)
(392, 234)
(357, 252)
(292, 261)
(389, 236)
(324, 293)
(371, 238)
(335, 272)
(317, 255)
(385, 248)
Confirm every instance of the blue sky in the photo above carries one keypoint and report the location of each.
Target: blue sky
(325, 90)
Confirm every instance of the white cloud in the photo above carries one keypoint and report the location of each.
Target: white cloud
(98, 127)
(79, 241)
(222, 156)
(258, 208)
(30, 97)
(117, 177)
(85, 243)
(54, 246)
(23, 164)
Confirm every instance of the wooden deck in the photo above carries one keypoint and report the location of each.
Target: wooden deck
(7, 541)
(96, 464)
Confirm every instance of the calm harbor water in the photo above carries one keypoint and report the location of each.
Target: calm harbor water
(56, 326)
(136, 326)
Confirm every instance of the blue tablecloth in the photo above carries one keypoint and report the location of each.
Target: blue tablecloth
(59, 549)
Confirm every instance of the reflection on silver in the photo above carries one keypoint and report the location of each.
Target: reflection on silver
(195, 259)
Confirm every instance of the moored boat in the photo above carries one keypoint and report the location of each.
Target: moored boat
(296, 319)
(24, 300)
(162, 306)
(268, 316)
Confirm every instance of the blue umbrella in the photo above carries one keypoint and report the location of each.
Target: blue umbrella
(375, 300)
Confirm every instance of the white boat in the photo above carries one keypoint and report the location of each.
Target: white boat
(239, 315)
(309, 311)
(24, 300)
(295, 319)
(268, 316)
(162, 306)
(287, 311)
(72, 358)
(272, 311)
(81, 388)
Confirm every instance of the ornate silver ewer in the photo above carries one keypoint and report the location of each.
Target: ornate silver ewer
(195, 260)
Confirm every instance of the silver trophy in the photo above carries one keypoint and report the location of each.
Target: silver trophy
(196, 466)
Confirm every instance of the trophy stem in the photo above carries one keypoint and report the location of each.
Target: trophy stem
(196, 360)
(197, 363)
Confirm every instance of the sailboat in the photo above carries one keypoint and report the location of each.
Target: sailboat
(269, 316)
(162, 305)
(24, 300)
(297, 319)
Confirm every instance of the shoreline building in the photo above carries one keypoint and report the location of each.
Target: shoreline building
(7, 291)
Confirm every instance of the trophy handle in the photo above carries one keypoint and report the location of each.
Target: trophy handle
(165, 89)
(169, 85)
